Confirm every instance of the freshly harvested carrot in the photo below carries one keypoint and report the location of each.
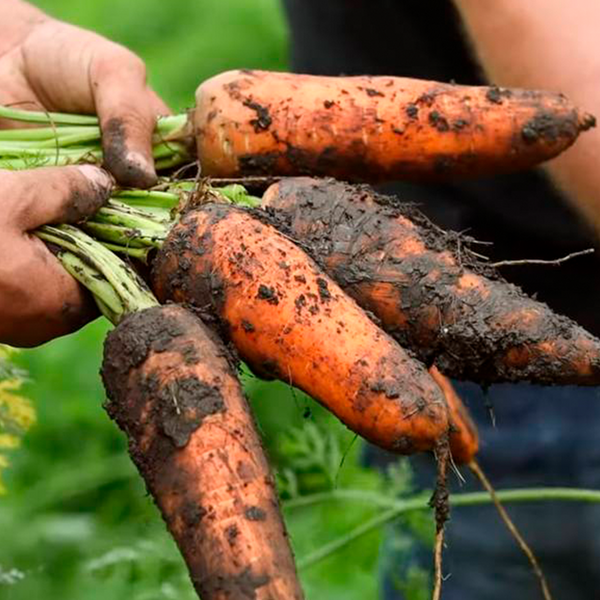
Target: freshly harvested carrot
(464, 438)
(375, 128)
(193, 439)
(288, 320)
(429, 291)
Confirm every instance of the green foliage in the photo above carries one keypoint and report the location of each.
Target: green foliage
(339, 553)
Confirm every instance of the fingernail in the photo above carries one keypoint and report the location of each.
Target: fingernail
(98, 177)
(141, 169)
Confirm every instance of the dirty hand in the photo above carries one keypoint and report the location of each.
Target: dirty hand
(51, 65)
(39, 300)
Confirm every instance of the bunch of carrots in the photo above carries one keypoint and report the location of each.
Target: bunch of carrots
(347, 295)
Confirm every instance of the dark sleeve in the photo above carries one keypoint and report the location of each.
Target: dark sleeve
(385, 37)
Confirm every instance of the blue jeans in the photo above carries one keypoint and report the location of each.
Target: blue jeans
(543, 437)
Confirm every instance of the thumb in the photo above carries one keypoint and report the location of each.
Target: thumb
(57, 195)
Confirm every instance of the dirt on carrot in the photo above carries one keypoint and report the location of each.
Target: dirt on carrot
(375, 128)
(289, 320)
(174, 393)
(429, 291)
(463, 435)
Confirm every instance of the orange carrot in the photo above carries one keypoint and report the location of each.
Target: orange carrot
(193, 439)
(464, 438)
(288, 320)
(430, 292)
(375, 128)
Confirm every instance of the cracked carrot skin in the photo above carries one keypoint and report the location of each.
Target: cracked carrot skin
(192, 436)
(428, 291)
(288, 320)
(464, 437)
(375, 128)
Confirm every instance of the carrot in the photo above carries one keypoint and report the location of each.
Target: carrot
(193, 439)
(429, 291)
(464, 438)
(375, 128)
(288, 320)
(355, 128)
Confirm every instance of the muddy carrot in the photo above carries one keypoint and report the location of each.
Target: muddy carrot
(429, 291)
(353, 128)
(464, 438)
(193, 439)
(375, 128)
(174, 393)
(288, 320)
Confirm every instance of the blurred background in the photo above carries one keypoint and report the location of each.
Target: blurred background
(76, 522)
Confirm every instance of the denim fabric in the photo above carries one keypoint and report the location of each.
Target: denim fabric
(543, 437)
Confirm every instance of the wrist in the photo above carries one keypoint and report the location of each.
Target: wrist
(17, 20)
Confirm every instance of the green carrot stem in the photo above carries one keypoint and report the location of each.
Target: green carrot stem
(23, 151)
(129, 218)
(237, 194)
(112, 316)
(104, 232)
(110, 304)
(128, 285)
(169, 150)
(141, 254)
(149, 198)
(27, 116)
(173, 127)
(36, 134)
(33, 162)
(163, 164)
(70, 139)
(125, 236)
(157, 217)
(138, 226)
(18, 147)
(91, 134)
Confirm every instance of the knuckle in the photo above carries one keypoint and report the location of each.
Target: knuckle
(138, 66)
(114, 61)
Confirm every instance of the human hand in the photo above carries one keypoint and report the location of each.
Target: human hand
(39, 300)
(50, 64)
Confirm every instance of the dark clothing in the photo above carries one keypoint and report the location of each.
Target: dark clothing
(544, 436)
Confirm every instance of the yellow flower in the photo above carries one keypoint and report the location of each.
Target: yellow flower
(16, 412)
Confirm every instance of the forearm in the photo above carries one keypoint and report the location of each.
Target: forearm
(17, 18)
(548, 44)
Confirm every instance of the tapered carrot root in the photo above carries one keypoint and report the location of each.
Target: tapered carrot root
(464, 438)
(375, 128)
(193, 440)
(288, 320)
(430, 293)
(464, 445)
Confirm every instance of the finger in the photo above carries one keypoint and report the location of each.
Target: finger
(127, 112)
(16, 92)
(159, 106)
(97, 75)
(39, 299)
(55, 195)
